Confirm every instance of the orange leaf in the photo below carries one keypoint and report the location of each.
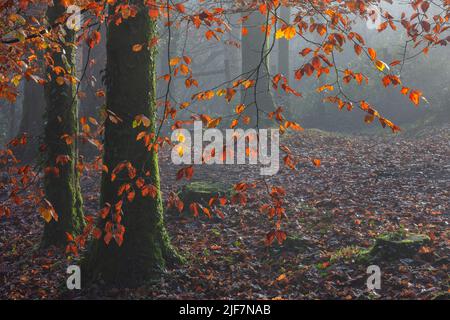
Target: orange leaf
(137, 47)
(317, 162)
(414, 96)
(372, 53)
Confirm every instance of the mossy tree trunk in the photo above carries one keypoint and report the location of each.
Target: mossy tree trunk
(131, 90)
(62, 187)
(254, 48)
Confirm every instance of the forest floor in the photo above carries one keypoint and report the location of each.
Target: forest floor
(365, 187)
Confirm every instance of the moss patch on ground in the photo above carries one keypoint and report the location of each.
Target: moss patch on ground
(201, 192)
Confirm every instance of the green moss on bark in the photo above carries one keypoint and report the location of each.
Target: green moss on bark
(131, 90)
(62, 189)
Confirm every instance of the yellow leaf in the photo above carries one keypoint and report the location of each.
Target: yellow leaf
(279, 34)
(46, 214)
(381, 65)
(16, 80)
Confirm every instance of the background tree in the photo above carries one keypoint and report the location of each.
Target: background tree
(255, 44)
(31, 124)
(61, 183)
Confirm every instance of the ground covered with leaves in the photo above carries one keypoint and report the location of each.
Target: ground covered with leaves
(366, 187)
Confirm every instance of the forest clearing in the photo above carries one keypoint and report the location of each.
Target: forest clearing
(331, 220)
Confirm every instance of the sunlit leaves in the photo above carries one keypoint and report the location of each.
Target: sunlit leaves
(326, 87)
(287, 32)
(380, 65)
(141, 120)
(47, 211)
(213, 123)
(415, 96)
(372, 53)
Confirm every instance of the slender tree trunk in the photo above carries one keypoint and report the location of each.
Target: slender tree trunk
(167, 45)
(95, 59)
(255, 67)
(92, 102)
(31, 124)
(62, 187)
(13, 121)
(131, 90)
(283, 46)
(283, 58)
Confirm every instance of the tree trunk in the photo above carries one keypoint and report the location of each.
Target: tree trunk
(62, 187)
(33, 107)
(283, 46)
(11, 131)
(254, 67)
(283, 57)
(92, 83)
(131, 90)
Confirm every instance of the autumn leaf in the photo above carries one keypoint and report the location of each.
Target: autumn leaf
(279, 34)
(137, 47)
(372, 53)
(305, 51)
(415, 96)
(214, 123)
(240, 108)
(174, 61)
(317, 162)
(381, 65)
(48, 212)
(180, 7)
(153, 13)
(60, 81)
(281, 277)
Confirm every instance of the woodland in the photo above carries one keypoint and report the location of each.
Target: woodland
(91, 92)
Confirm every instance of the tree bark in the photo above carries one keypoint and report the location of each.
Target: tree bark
(62, 187)
(283, 46)
(254, 50)
(91, 104)
(31, 124)
(131, 90)
(283, 58)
